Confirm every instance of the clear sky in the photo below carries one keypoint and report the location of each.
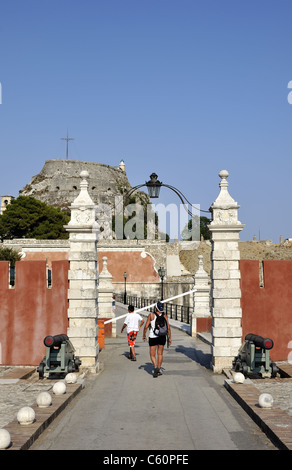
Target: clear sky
(183, 88)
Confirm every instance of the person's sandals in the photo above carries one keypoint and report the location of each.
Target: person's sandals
(156, 372)
(133, 359)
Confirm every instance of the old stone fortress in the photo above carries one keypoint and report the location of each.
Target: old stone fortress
(186, 262)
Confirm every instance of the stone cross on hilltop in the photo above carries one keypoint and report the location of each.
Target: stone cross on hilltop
(67, 138)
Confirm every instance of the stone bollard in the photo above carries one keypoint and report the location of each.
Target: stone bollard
(44, 400)
(26, 416)
(5, 439)
(59, 388)
(238, 378)
(71, 378)
(266, 400)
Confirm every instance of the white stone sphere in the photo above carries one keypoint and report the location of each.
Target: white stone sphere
(44, 400)
(71, 378)
(5, 439)
(59, 388)
(266, 400)
(26, 415)
(238, 378)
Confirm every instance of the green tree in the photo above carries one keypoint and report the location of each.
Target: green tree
(8, 254)
(204, 231)
(27, 217)
(134, 228)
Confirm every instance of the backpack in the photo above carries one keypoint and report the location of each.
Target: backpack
(160, 328)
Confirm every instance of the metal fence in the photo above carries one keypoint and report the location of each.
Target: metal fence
(181, 313)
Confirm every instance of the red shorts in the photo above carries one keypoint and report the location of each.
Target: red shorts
(132, 338)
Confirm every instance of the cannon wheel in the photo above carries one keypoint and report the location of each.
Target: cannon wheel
(241, 367)
(275, 370)
(244, 369)
(41, 369)
(77, 363)
(236, 365)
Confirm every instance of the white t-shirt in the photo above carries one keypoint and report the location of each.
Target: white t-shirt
(133, 321)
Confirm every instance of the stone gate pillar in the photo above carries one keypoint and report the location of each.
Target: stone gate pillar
(83, 278)
(105, 296)
(201, 297)
(225, 278)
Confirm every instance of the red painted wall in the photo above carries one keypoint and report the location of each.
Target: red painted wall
(267, 311)
(48, 256)
(30, 311)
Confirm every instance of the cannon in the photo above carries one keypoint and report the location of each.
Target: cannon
(59, 358)
(254, 357)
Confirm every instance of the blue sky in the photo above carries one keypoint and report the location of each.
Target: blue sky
(184, 88)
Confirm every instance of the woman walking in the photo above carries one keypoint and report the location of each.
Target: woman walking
(156, 341)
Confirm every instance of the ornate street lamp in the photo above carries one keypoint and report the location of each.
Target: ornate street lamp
(162, 273)
(154, 186)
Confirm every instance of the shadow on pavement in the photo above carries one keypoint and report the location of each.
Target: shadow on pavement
(201, 357)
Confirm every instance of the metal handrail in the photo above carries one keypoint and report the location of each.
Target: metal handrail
(177, 312)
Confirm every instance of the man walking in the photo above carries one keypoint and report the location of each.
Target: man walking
(133, 322)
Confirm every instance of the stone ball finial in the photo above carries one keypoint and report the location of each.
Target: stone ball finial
(223, 174)
(84, 174)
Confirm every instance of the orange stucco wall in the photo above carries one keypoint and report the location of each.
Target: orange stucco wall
(138, 268)
(48, 256)
(267, 311)
(30, 311)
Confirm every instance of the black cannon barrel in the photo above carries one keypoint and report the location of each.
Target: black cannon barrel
(56, 340)
(264, 343)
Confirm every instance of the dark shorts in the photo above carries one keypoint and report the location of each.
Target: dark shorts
(159, 340)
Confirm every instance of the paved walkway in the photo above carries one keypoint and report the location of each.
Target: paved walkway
(124, 407)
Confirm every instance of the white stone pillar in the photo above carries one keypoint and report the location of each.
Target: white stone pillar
(225, 278)
(83, 278)
(201, 296)
(105, 296)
